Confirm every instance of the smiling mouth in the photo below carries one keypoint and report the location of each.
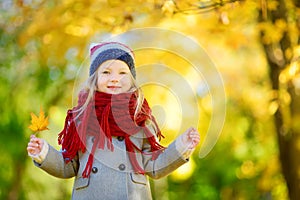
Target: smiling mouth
(113, 87)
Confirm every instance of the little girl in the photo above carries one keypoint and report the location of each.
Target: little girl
(110, 140)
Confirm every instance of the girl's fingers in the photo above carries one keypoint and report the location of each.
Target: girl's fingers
(194, 133)
(191, 137)
(194, 136)
(34, 145)
(36, 140)
(31, 150)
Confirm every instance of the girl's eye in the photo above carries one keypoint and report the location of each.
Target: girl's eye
(123, 73)
(105, 72)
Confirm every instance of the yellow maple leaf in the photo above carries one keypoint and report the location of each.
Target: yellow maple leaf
(39, 123)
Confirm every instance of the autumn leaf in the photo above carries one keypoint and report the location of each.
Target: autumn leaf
(39, 123)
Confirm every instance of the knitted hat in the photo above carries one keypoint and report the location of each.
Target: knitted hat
(99, 53)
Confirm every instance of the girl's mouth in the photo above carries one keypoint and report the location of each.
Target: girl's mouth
(113, 87)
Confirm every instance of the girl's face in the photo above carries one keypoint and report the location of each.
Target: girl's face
(114, 77)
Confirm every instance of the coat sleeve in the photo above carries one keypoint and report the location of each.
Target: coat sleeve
(167, 161)
(55, 165)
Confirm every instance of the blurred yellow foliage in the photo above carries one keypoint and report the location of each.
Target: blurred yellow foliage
(184, 172)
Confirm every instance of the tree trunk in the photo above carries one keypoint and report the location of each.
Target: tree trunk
(287, 130)
(288, 134)
(294, 143)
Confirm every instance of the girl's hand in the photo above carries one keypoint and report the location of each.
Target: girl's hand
(35, 145)
(191, 138)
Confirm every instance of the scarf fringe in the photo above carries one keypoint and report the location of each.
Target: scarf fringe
(156, 148)
(105, 130)
(66, 138)
(130, 146)
(89, 164)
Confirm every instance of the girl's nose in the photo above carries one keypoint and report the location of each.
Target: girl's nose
(114, 78)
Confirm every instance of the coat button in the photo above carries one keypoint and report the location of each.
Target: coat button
(94, 170)
(93, 139)
(122, 167)
(120, 138)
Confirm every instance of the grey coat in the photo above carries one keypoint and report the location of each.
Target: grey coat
(112, 176)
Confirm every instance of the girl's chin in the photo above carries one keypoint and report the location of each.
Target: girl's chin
(113, 91)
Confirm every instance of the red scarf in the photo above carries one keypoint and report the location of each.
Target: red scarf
(107, 115)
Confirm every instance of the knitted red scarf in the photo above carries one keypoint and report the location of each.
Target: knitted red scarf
(107, 115)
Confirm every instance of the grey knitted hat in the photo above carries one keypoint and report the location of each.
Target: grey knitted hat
(102, 52)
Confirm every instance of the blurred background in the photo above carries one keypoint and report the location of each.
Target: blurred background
(254, 45)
